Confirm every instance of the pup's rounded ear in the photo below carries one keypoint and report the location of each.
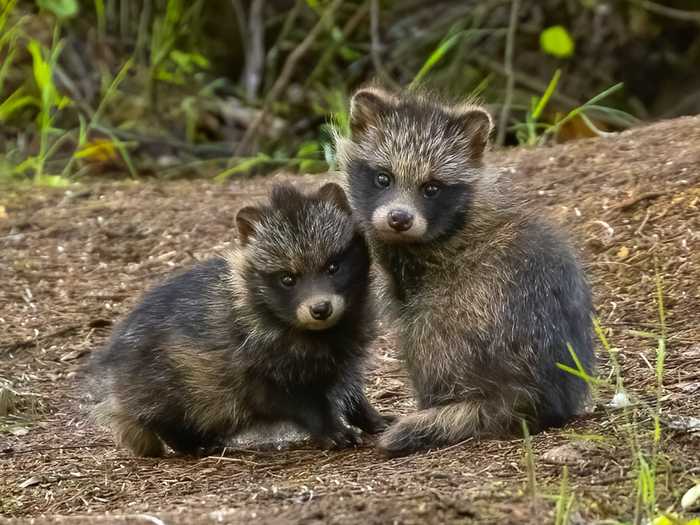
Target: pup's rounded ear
(366, 107)
(477, 125)
(334, 193)
(285, 195)
(246, 219)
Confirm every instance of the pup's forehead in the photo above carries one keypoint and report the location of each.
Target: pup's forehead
(418, 150)
(301, 241)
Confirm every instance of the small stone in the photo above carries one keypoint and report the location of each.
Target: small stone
(687, 424)
(691, 499)
(566, 454)
(620, 400)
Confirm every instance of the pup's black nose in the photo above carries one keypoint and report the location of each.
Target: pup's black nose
(321, 311)
(400, 220)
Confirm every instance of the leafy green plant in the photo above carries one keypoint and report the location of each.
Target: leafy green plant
(534, 131)
(167, 62)
(646, 461)
(173, 61)
(8, 39)
(50, 101)
(60, 8)
(444, 47)
(437, 55)
(84, 148)
(306, 160)
(527, 133)
(645, 458)
(14, 103)
(101, 18)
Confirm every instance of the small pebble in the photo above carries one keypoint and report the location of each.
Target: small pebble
(691, 499)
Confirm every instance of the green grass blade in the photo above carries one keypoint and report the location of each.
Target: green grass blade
(109, 93)
(101, 19)
(435, 57)
(613, 115)
(7, 8)
(553, 130)
(644, 334)
(660, 303)
(544, 99)
(244, 165)
(16, 101)
(121, 148)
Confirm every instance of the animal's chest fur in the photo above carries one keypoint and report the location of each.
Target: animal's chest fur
(406, 273)
(445, 316)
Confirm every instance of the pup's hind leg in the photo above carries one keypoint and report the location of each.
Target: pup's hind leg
(127, 431)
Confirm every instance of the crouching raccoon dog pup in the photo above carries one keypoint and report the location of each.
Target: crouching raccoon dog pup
(276, 330)
(487, 295)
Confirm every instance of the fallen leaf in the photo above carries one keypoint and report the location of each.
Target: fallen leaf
(3, 212)
(99, 150)
(623, 252)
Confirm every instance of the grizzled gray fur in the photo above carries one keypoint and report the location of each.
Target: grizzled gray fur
(487, 295)
(276, 330)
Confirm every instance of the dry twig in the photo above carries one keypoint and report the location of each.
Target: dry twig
(285, 76)
(510, 77)
(632, 201)
(668, 12)
(376, 45)
(255, 52)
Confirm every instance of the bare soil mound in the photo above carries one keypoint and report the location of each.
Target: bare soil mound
(71, 263)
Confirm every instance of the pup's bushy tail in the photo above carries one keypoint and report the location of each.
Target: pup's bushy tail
(445, 425)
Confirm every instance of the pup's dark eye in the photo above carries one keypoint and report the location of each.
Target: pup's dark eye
(333, 267)
(288, 280)
(431, 189)
(382, 180)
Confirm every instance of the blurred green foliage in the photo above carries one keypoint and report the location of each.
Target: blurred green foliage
(170, 87)
(557, 42)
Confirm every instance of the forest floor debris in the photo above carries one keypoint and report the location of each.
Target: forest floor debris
(73, 262)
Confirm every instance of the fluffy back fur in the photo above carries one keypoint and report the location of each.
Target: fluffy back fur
(275, 330)
(487, 295)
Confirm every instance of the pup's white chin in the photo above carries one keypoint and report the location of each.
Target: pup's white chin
(392, 236)
(318, 326)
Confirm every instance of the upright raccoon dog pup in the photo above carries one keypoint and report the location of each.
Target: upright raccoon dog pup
(487, 295)
(277, 330)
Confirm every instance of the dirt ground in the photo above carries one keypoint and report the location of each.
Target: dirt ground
(73, 262)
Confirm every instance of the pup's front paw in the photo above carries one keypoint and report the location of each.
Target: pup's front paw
(344, 437)
(378, 423)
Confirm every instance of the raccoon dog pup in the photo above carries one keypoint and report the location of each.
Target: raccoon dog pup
(276, 330)
(487, 296)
